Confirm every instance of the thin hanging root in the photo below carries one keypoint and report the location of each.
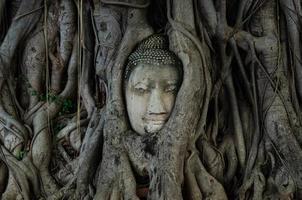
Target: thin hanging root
(256, 136)
(28, 13)
(242, 70)
(239, 138)
(237, 125)
(214, 133)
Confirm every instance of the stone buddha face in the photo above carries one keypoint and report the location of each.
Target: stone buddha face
(150, 94)
(152, 78)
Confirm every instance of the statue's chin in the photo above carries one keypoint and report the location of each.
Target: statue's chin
(154, 127)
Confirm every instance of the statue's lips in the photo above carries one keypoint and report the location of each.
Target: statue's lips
(153, 123)
(157, 121)
(153, 126)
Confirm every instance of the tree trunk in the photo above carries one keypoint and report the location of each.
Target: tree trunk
(234, 131)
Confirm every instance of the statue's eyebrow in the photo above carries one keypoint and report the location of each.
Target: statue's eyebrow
(173, 82)
(140, 83)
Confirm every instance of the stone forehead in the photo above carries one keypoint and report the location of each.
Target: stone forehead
(155, 56)
(157, 41)
(153, 50)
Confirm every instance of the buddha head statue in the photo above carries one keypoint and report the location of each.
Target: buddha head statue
(153, 76)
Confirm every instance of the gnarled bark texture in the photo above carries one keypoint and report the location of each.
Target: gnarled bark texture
(235, 131)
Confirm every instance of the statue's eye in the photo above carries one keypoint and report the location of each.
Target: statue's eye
(141, 90)
(171, 88)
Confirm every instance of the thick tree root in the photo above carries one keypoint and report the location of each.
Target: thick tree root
(201, 181)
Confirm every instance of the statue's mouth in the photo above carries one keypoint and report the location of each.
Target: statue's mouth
(156, 118)
(154, 126)
(156, 122)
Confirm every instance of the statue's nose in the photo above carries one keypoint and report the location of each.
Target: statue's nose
(156, 103)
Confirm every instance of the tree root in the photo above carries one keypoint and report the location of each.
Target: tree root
(115, 171)
(201, 181)
(116, 179)
(3, 177)
(24, 173)
(90, 157)
(257, 181)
